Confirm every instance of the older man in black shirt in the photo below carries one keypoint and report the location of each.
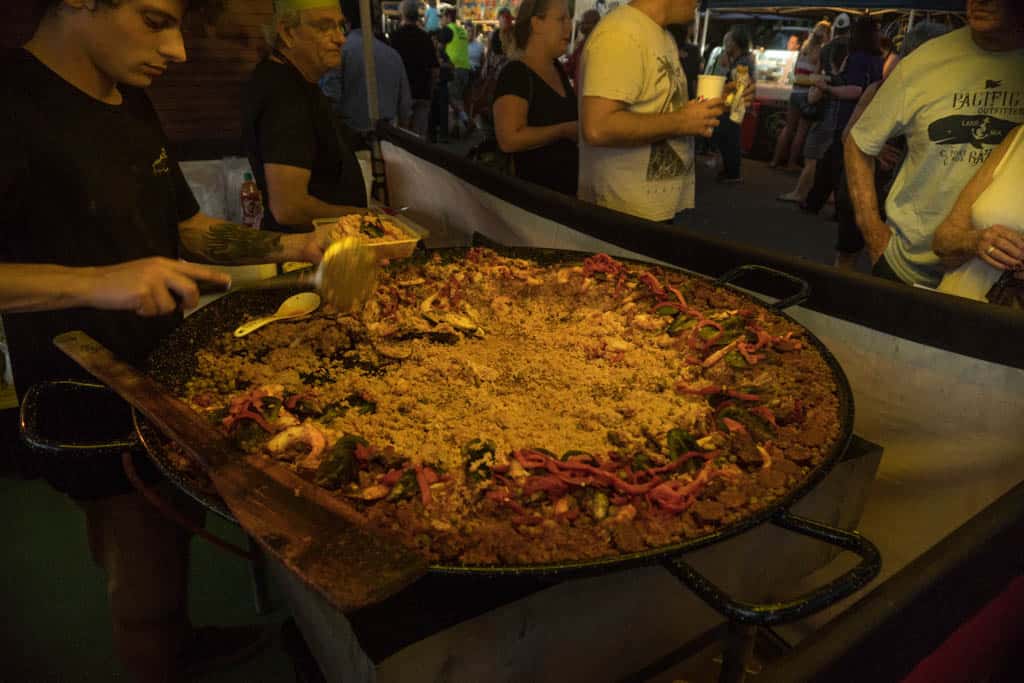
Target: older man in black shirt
(302, 166)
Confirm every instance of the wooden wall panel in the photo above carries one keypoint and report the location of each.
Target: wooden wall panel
(199, 101)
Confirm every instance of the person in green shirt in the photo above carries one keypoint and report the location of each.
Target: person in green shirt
(458, 52)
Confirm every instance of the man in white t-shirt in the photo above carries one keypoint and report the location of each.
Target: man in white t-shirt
(955, 99)
(637, 127)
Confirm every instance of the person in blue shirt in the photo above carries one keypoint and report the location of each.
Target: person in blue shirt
(346, 87)
(432, 19)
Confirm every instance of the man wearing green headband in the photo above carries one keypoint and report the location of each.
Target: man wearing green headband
(302, 166)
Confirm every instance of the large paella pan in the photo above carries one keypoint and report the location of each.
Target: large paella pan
(679, 411)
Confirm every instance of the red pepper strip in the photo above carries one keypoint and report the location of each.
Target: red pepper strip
(675, 496)
(501, 469)
(763, 338)
(709, 390)
(578, 478)
(652, 283)
(601, 263)
(678, 295)
(614, 479)
(531, 459)
(549, 484)
(741, 395)
(498, 494)
(535, 459)
(392, 477)
(430, 476)
(502, 496)
(734, 426)
(765, 414)
(248, 414)
(293, 401)
(620, 284)
(421, 479)
(364, 453)
(720, 353)
(746, 350)
(689, 455)
(619, 500)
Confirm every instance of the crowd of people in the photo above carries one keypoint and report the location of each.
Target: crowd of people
(905, 142)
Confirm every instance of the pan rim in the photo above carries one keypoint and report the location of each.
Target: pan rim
(155, 442)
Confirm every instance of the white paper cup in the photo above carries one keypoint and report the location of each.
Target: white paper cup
(709, 87)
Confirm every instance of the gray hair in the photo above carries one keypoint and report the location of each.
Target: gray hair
(409, 9)
(290, 18)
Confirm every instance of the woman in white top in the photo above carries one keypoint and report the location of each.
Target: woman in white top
(982, 238)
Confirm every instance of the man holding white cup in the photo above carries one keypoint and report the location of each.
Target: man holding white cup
(637, 127)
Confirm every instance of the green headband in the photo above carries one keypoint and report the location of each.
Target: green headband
(299, 5)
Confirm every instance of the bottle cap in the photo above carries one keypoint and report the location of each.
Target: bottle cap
(247, 177)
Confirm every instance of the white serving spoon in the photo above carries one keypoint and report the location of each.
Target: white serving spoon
(296, 306)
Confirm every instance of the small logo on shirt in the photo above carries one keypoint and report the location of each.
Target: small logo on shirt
(161, 165)
(974, 130)
(992, 84)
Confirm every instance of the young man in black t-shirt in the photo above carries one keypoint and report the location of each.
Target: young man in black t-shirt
(94, 215)
(302, 166)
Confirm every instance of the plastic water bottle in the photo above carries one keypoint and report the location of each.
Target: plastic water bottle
(252, 202)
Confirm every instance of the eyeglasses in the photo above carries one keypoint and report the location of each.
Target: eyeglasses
(325, 26)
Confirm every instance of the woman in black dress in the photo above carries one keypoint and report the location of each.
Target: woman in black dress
(535, 110)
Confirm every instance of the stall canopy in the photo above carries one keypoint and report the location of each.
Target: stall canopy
(856, 5)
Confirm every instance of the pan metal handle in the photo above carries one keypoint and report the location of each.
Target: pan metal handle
(34, 433)
(794, 300)
(795, 608)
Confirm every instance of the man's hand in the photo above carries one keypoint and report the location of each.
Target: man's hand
(1001, 247)
(749, 92)
(570, 130)
(316, 243)
(148, 286)
(890, 157)
(700, 117)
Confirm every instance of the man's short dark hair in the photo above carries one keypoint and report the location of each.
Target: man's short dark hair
(210, 7)
(450, 13)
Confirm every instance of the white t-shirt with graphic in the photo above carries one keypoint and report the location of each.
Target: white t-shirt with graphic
(955, 102)
(629, 58)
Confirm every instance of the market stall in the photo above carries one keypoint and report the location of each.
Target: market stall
(948, 457)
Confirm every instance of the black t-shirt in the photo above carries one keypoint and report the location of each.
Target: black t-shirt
(82, 183)
(556, 165)
(419, 57)
(496, 47)
(287, 120)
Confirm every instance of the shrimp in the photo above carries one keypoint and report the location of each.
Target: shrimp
(305, 433)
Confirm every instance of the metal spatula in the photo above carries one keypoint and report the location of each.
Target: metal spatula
(345, 277)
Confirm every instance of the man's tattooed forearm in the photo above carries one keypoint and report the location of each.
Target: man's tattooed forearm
(229, 243)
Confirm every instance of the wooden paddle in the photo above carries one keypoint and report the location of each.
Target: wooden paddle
(320, 538)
